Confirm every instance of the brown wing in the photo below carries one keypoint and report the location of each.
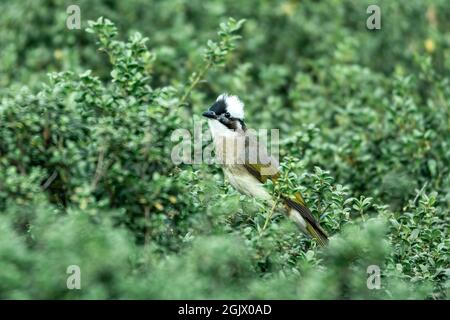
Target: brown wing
(257, 160)
(262, 166)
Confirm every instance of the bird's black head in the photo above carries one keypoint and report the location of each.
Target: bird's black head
(228, 110)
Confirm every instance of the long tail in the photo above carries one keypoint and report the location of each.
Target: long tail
(299, 212)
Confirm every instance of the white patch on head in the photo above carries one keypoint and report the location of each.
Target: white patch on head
(234, 105)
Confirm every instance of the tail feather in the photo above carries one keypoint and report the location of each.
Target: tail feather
(321, 237)
(312, 227)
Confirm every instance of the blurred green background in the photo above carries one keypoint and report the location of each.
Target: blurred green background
(85, 141)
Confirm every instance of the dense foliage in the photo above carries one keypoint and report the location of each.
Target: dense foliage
(86, 176)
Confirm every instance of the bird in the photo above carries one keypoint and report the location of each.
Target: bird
(247, 165)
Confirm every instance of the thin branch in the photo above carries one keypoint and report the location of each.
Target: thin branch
(198, 77)
(413, 203)
(272, 210)
(420, 192)
(147, 230)
(49, 180)
(99, 169)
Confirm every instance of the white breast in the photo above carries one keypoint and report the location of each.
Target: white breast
(231, 158)
(245, 183)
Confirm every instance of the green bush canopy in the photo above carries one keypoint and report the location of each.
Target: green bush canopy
(86, 124)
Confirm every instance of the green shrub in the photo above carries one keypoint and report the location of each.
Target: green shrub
(86, 176)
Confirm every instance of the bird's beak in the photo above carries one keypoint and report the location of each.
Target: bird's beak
(209, 114)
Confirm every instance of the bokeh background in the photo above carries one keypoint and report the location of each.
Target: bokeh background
(85, 140)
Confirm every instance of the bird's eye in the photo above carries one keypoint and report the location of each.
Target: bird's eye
(227, 114)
